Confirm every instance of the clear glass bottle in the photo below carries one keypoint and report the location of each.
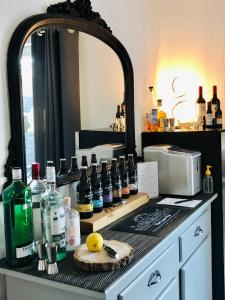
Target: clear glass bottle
(106, 185)
(208, 181)
(96, 186)
(37, 188)
(53, 215)
(72, 226)
(18, 222)
(84, 196)
(116, 184)
(132, 175)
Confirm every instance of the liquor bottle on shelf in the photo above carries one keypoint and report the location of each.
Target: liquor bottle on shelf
(73, 171)
(215, 104)
(84, 162)
(118, 118)
(72, 226)
(132, 175)
(125, 179)
(209, 117)
(93, 158)
(96, 189)
(116, 184)
(161, 115)
(123, 115)
(37, 188)
(201, 108)
(106, 185)
(53, 215)
(62, 168)
(219, 118)
(84, 196)
(18, 221)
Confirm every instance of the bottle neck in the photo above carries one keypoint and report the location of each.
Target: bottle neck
(74, 166)
(214, 91)
(51, 186)
(200, 92)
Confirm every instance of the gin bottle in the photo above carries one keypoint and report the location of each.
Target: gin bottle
(18, 217)
(72, 226)
(37, 188)
(54, 215)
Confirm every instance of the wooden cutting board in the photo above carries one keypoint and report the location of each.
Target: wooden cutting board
(101, 261)
(109, 215)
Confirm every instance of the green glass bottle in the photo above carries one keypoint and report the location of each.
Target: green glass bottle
(53, 214)
(18, 220)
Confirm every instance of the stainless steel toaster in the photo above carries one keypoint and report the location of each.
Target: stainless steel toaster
(179, 169)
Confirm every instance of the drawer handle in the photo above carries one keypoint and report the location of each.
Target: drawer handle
(198, 231)
(154, 278)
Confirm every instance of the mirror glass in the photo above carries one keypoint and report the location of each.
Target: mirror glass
(71, 81)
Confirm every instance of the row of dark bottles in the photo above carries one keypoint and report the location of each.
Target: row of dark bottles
(109, 187)
(209, 115)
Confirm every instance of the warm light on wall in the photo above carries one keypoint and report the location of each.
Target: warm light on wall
(178, 82)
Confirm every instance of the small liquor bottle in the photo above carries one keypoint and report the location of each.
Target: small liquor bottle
(116, 184)
(161, 115)
(54, 215)
(93, 158)
(84, 196)
(118, 118)
(106, 185)
(84, 162)
(37, 188)
(209, 117)
(201, 107)
(132, 175)
(219, 118)
(96, 189)
(62, 167)
(125, 179)
(72, 226)
(18, 220)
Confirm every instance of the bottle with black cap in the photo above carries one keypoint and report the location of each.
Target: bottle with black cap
(106, 185)
(125, 179)
(116, 183)
(132, 175)
(96, 189)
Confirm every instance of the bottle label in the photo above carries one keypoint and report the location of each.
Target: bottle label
(57, 221)
(73, 233)
(84, 208)
(209, 120)
(125, 190)
(214, 110)
(219, 121)
(97, 203)
(107, 194)
(25, 251)
(133, 186)
(117, 193)
(201, 110)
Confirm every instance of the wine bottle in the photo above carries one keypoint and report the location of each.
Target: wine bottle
(96, 189)
(215, 103)
(132, 175)
(53, 215)
(125, 179)
(116, 184)
(219, 118)
(18, 222)
(209, 117)
(201, 107)
(72, 226)
(84, 196)
(106, 185)
(37, 188)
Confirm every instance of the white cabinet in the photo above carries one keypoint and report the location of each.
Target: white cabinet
(171, 292)
(196, 274)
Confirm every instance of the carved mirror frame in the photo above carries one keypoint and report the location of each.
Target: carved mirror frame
(78, 15)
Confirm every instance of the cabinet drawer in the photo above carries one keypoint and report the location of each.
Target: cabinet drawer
(171, 292)
(194, 236)
(155, 278)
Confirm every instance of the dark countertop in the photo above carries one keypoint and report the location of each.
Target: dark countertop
(100, 281)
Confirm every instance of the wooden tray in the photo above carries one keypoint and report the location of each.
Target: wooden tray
(101, 261)
(109, 215)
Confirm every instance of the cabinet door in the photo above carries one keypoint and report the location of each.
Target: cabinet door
(171, 292)
(196, 274)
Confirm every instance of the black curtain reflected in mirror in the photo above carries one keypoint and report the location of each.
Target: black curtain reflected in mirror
(56, 93)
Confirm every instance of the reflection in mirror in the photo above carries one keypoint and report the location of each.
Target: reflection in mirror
(71, 82)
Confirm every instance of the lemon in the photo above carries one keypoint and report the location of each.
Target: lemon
(94, 242)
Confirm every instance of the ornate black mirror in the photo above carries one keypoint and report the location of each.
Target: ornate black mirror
(66, 74)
